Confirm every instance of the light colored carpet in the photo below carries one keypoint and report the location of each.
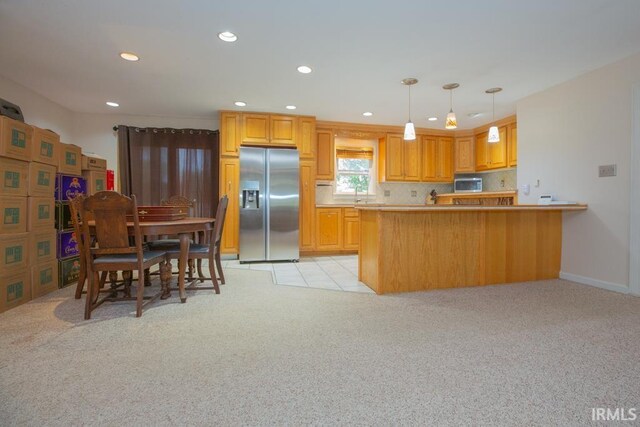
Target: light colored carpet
(258, 354)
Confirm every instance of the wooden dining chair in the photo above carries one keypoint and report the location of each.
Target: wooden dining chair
(209, 250)
(114, 251)
(176, 200)
(74, 208)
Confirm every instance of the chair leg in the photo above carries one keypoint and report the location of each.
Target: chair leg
(200, 274)
(91, 289)
(214, 279)
(127, 275)
(113, 280)
(147, 277)
(219, 265)
(190, 265)
(140, 292)
(82, 278)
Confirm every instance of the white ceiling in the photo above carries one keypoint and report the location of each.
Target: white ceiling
(67, 50)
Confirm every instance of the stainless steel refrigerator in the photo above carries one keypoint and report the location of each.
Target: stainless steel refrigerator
(269, 202)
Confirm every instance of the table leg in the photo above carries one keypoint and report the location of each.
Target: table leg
(165, 279)
(182, 265)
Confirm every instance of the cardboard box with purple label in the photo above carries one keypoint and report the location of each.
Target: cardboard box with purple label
(69, 186)
(67, 244)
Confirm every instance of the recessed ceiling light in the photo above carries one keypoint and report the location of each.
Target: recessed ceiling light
(112, 104)
(227, 36)
(290, 107)
(474, 115)
(128, 56)
(240, 103)
(304, 69)
(432, 119)
(367, 114)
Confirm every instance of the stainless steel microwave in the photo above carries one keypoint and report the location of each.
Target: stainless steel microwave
(467, 185)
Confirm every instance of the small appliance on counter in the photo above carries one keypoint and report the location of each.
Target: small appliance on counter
(467, 185)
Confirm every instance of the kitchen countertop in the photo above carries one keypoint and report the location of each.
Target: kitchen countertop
(462, 208)
(481, 194)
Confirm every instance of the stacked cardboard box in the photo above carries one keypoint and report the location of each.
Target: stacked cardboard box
(69, 184)
(15, 154)
(94, 171)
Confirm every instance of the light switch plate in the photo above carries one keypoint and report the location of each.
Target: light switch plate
(607, 170)
(387, 193)
(414, 193)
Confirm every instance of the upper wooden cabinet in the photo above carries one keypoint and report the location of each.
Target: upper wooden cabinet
(494, 155)
(283, 129)
(306, 137)
(325, 153)
(437, 159)
(401, 158)
(255, 128)
(229, 134)
(512, 145)
(464, 155)
(269, 129)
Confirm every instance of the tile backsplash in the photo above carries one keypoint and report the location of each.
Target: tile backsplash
(501, 180)
(415, 193)
(402, 193)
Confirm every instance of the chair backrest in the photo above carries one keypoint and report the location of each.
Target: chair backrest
(221, 213)
(109, 210)
(74, 208)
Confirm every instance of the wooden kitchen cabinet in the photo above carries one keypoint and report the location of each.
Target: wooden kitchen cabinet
(269, 129)
(491, 156)
(351, 229)
(229, 134)
(394, 152)
(512, 145)
(411, 160)
(437, 159)
(464, 155)
(283, 130)
(401, 158)
(328, 229)
(325, 154)
(306, 137)
(255, 128)
(229, 185)
(307, 205)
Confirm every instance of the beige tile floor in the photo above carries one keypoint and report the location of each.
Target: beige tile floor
(339, 273)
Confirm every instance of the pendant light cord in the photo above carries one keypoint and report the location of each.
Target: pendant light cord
(450, 100)
(409, 102)
(493, 115)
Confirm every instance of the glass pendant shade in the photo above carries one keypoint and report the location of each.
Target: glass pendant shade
(494, 135)
(451, 122)
(409, 131)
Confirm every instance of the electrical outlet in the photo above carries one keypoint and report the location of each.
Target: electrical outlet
(607, 170)
(414, 193)
(387, 193)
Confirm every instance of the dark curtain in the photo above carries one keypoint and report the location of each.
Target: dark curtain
(157, 163)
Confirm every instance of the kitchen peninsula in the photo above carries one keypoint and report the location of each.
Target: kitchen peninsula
(405, 249)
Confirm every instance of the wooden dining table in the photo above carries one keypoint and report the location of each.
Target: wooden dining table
(184, 228)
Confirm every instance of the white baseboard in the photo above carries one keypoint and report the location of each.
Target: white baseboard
(610, 286)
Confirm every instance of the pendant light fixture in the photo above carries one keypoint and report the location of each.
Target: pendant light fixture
(409, 129)
(451, 122)
(494, 134)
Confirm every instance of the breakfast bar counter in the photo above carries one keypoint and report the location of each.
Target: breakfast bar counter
(413, 248)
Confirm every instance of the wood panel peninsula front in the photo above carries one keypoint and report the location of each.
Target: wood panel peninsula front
(406, 249)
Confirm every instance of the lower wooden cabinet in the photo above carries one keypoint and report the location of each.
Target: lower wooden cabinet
(328, 229)
(337, 229)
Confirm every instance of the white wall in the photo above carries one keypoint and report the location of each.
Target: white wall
(38, 110)
(564, 133)
(93, 132)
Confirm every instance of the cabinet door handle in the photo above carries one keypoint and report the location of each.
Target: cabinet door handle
(229, 187)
